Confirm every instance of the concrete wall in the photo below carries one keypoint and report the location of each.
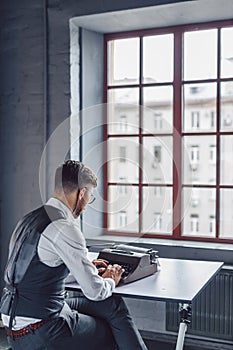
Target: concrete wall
(21, 112)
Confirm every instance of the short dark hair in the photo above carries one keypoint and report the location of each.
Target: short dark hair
(73, 174)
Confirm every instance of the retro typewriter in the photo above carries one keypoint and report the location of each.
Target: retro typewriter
(137, 262)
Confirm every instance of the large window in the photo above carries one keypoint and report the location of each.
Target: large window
(169, 135)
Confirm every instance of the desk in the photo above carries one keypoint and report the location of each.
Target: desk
(177, 281)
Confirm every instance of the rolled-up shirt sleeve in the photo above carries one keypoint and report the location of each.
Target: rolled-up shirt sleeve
(69, 246)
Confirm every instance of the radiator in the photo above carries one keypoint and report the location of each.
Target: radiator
(212, 311)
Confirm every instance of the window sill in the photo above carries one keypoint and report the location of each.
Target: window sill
(172, 249)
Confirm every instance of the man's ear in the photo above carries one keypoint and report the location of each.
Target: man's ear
(81, 193)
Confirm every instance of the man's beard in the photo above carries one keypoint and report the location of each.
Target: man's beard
(79, 208)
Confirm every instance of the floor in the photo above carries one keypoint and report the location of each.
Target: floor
(151, 344)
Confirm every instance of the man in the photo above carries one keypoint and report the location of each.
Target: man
(45, 246)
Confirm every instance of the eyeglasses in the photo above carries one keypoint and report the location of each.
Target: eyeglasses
(92, 197)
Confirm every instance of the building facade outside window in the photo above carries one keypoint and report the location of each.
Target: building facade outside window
(195, 117)
(175, 111)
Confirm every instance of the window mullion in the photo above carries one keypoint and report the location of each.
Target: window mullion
(217, 214)
(140, 189)
(177, 135)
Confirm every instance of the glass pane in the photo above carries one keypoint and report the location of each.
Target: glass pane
(226, 156)
(157, 159)
(158, 58)
(123, 158)
(123, 111)
(226, 52)
(227, 106)
(123, 208)
(157, 210)
(200, 54)
(123, 61)
(199, 212)
(199, 112)
(226, 213)
(158, 111)
(199, 160)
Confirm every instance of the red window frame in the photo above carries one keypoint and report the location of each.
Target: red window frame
(178, 84)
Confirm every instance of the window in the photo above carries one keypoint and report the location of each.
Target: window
(176, 126)
(122, 151)
(158, 121)
(123, 188)
(194, 223)
(158, 191)
(122, 219)
(157, 154)
(123, 123)
(195, 120)
(212, 153)
(212, 119)
(194, 154)
(157, 222)
(212, 224)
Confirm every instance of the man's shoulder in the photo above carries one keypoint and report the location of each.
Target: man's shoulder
(64, 227)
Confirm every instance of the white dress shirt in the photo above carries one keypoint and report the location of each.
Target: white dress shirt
(63, 242)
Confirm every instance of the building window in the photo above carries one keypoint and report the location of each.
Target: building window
(212, 119)
(194, 154)
(157, 154)
(122, 151)
(212, 223)
(195, 120)
(122, 219)
(123, 123)
(212, 153)
(158, 121)
(123, 188)
(157, 221)
(194, 223)
(179, 108)
(158, 191)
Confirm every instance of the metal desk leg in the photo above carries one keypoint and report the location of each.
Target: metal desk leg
(185, 319)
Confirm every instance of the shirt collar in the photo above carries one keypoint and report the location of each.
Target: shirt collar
(54, 202)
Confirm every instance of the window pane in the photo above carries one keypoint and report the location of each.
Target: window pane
(157, 211)
(157, 159)
(226, 52)
(227, 106)
(199, 107)
(226, 213)
(199, 159)
(200, 54)
(199, 212)
(123, 157)
(123, 61)
(123, 111)
(226, 156)
(123, 208)
(158, 111)
(158, 58)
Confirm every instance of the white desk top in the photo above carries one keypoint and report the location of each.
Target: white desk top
(178, 281)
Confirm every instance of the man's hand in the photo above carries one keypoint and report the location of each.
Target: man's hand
(115, 272)
(101, 265)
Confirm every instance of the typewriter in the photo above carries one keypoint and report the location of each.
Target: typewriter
(137, 262)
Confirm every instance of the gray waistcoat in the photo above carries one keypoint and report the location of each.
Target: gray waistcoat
(32, 288)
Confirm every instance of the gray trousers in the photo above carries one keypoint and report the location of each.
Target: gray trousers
(101, 325)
